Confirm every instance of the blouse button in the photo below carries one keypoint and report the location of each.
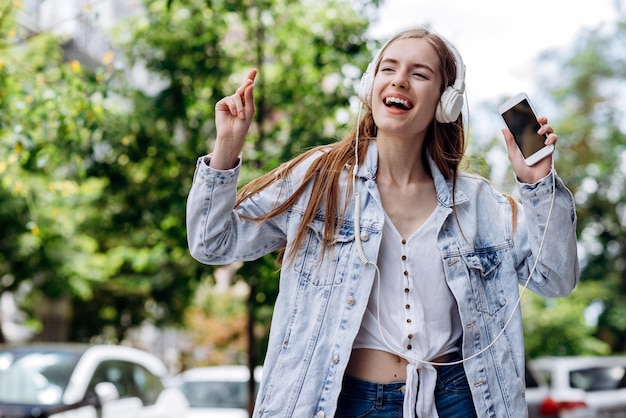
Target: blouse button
(403, 241)
(365, 236)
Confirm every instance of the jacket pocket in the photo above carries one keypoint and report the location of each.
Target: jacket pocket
(325, 268)
(486, 281)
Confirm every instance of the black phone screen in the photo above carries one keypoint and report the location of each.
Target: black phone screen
(523, 124)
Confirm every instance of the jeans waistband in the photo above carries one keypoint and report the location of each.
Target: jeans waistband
(377, 392)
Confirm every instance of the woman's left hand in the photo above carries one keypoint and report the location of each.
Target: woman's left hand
(534, 173)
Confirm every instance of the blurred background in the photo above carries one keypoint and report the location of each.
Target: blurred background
(106, 105)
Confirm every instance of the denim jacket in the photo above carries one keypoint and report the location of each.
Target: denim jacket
(322, 299)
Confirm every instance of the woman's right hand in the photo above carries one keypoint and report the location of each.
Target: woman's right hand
(233, 116)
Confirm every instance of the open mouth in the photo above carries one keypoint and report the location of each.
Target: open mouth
(400, 103)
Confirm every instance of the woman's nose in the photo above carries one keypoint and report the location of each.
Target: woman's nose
(400, 80)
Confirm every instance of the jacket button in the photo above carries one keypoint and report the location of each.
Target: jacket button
(365, 236)
(350, 301)
(335, 359)
(320, 414)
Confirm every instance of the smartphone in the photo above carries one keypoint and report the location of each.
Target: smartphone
(521, 119)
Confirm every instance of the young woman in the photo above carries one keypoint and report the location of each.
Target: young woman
(399, 287)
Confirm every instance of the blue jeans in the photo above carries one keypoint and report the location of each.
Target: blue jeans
(359, 398)
(452, 393)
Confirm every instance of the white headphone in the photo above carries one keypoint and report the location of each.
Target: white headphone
(451, 101)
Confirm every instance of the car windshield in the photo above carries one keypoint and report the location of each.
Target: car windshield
(216, 394)
(598, 378)
(36, 378)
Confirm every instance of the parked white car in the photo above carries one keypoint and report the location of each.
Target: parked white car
(536, 393)
(217, 391)
(583, 387)
(82, 381)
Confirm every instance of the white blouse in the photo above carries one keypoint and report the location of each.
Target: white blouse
(411, 311)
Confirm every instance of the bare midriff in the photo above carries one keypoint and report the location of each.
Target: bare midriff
(376, 366)
(380, 366)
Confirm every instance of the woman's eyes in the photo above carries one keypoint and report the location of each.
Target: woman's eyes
(390, 69)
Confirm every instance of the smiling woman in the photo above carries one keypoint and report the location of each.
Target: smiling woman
(400, 271)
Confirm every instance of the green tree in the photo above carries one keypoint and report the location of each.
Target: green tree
(559, 327)
(591, 103)
(50, 115)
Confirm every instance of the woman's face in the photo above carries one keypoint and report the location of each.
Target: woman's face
(406, 88)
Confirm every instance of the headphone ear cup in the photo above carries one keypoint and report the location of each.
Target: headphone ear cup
(367, 84)
(367, 80)
(450, 105)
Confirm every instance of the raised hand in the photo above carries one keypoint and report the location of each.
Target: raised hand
(524, 173)
(233, 116)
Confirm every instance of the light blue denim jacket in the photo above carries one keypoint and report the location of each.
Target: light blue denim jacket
(322, 300)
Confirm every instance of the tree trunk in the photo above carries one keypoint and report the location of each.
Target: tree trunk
(55, 316)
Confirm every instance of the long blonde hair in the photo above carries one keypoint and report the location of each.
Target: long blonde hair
(445, 143)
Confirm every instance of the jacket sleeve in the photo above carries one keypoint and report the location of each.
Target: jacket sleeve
(218, 233)
(548, 226)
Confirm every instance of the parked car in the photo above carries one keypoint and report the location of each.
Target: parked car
(82, 381)
(536, 393)
(583, 387)
(217, 391)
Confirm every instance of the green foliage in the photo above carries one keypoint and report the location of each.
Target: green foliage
(560, 327)
(49, 115)
(86, 217)
(96, 170)
(594, 165)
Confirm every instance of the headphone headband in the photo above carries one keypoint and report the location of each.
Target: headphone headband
(451, 101)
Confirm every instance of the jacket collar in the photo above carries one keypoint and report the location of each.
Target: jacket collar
(367, 170)
(444, 187)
